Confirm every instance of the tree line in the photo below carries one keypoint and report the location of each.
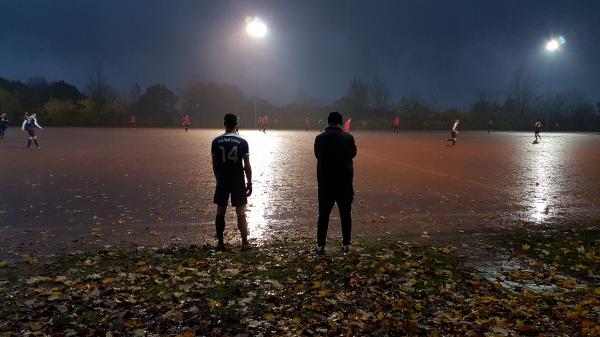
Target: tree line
(369, 103)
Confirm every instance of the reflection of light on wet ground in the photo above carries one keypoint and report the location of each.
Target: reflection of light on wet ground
(541, 174)
(262, 148)
(539, 210)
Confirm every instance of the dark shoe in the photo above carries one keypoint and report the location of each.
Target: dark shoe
(346, 248)
(320, 250)
(221, 247)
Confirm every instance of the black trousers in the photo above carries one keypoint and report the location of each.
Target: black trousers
(326, 201)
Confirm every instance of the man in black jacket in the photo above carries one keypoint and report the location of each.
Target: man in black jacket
(334, 150)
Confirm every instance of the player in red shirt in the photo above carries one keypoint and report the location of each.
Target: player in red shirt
(347, 125)
(132, 121)
(397, 125)
(307, 123)
(264, 122)
(186, 123)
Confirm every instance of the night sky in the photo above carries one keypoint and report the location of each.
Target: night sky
(444, 51)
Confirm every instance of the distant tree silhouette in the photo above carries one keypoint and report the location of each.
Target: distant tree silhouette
(380, 96)
(206, 103)
(522, 92)
(62, 90)
(135, 93)
(369, 103)
(98, 90)
(356, 101)
(157, 106)
(39, 90)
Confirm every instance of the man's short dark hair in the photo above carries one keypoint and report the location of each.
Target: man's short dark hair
(335, 118)
(230, 120)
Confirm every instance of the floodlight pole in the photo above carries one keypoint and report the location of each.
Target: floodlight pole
(257, 30)
(255, 92)
(552, 46)
(549, 104)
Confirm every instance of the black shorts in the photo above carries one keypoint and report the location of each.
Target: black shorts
(30, 131)
(537, 131)
(237, 189)
(452, 134)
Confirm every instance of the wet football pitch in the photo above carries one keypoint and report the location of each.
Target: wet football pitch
(117, 186)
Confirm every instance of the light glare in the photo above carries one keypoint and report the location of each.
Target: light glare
(256, 28)
(552, 45)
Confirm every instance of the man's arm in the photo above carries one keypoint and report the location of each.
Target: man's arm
(317, 148)
(248, 171)
(23, 126)
(214, 166)
(352, 148)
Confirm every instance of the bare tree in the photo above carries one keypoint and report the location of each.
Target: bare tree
(523, 91)
(357, 98)
(485, 105)
(410, 104)
(380, 96)
(135, 94)
(98, 90)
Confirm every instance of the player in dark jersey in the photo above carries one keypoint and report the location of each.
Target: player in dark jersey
(537, 127)
(230, 159)
(3, 124)
(29, 125)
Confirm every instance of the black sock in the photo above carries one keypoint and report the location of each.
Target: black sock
(36, 143)
(29, 143)
(243, 227)
(220, 227)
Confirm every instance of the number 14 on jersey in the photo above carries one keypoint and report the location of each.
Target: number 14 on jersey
(232, 155)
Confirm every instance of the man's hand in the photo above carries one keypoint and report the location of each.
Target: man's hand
(248, 189)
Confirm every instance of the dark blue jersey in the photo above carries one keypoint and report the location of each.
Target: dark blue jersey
(228, 151)
(30, 123)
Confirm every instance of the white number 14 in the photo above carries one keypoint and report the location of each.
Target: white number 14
(232, 155)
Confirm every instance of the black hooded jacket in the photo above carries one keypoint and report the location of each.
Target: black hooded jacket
(335, 150)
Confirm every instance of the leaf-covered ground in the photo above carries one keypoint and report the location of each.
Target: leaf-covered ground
(548, 285)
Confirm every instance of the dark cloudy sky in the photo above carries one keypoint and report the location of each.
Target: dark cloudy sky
(442, 50)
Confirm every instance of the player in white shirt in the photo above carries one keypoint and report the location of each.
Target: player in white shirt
(454, 132)
(29, 125)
